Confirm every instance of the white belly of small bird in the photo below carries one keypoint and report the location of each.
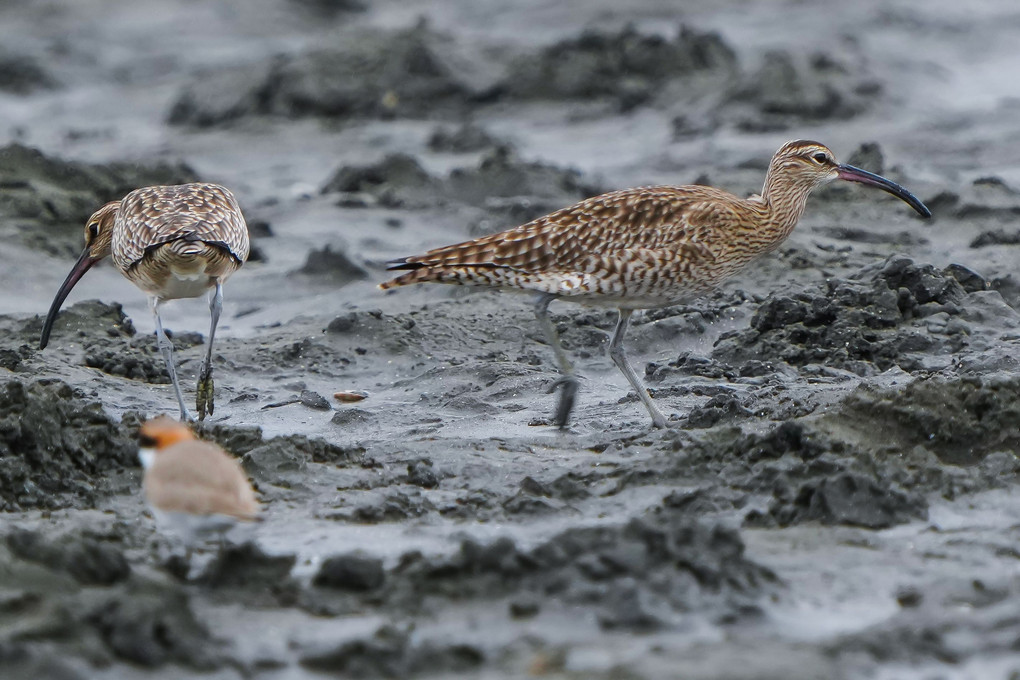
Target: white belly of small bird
(194, 529)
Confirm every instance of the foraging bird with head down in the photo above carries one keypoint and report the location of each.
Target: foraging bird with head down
(640, 248)
(171, 242)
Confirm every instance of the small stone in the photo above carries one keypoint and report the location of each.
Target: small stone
(314, 400)
(353, 571)
(524, 607)
(420, 473)
(909, 597)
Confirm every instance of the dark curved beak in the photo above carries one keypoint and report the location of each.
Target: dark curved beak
(852, 174)
(84, 263)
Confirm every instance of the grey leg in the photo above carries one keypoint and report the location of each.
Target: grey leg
(204, 394)
(166, 348)
(620, 359)
(568, 381)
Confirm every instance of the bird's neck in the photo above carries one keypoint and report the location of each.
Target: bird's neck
(781, 205)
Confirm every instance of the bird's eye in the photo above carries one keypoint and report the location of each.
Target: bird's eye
(93, 229)
(145, 441)
(820, 157)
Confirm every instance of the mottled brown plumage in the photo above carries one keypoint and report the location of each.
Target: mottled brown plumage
(641, 248)
(172, 242)
(189, 227)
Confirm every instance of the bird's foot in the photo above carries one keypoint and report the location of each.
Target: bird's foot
(568, 396)
(204, 394)
(659, 421)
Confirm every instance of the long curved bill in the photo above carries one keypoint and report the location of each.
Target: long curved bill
(852, 174)
(84, 263)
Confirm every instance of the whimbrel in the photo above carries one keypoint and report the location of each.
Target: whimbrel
(194, 488)
(172, 242)
(640, 248)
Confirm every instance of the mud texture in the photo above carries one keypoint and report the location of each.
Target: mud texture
(46, 200)
(836, 495)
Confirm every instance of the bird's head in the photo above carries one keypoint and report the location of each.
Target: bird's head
(159, 434)
(98, 242)
(99, 231)
(802, 165)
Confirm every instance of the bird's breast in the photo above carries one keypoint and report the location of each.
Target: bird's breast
(181, 269)
(185, 285)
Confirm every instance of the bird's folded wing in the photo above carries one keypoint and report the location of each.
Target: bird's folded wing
(154, 216)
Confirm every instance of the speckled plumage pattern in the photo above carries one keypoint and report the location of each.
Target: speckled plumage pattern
(189, 227)
(637, 248)
(644, 247)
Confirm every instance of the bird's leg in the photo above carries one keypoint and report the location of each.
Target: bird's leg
(204, 394)
(619, 357)
(166, 348)
(568, 381)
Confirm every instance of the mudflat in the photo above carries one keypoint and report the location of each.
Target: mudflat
(836, 496)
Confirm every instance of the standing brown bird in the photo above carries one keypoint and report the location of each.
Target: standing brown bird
(172, 242)
(640, 248)
(193, 487)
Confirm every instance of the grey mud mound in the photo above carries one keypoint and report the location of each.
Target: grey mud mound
(464, 139)
(501, 174)
(499, 181)
(391, 652)
(628, 66)
(334, 266)
(56, 448)
(46, 200)
(397, 181)
(142, 621)
(962, 420)
(927, 622)
(91, 321)
(787, 88)
(641, 576)
(644, 575)
(330, 9)
(866, 324)
(408, 73)
(137, 359)
(23, 74)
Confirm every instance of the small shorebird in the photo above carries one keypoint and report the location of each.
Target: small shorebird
(172, 242)
(640, 248)
(193, 487)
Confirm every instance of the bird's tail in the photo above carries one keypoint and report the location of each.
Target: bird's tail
(419, 273)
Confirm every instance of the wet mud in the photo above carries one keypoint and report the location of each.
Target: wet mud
(835, 497)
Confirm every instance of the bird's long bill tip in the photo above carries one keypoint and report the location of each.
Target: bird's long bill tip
(853, 174)
(84, 263)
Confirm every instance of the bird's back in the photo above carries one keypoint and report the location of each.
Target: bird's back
(636, 247)
(175, 241)
(197, 478)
